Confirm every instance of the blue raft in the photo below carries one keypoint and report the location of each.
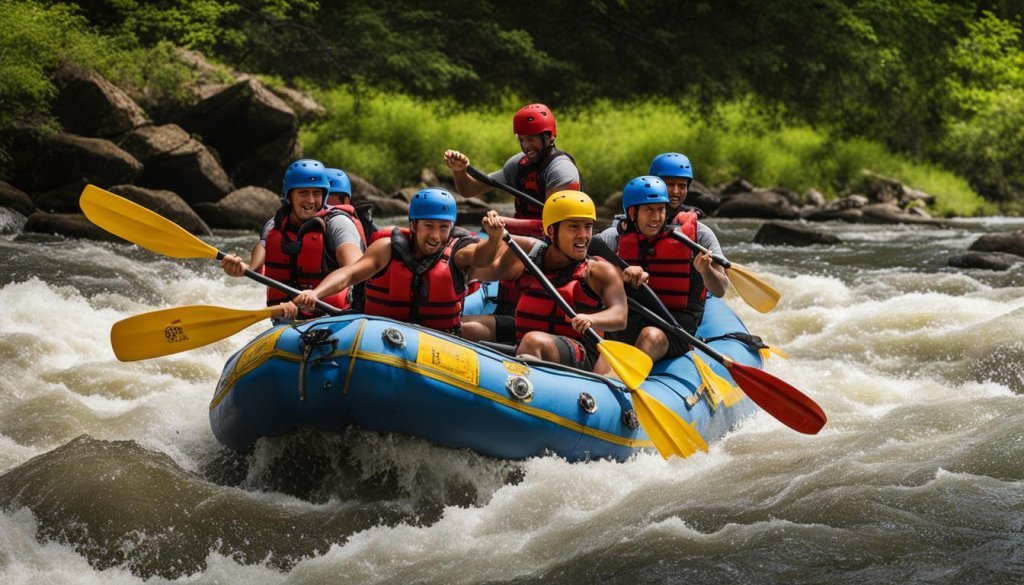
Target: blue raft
(389, 376)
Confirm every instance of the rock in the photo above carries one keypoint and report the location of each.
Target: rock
(774, 233)
(89, 105)
(736, 187)
(247, 208)
(14, 198)
(1006, 242)
(890, 213)
(72, 225)
(167, 204)
(471, 210)
(363, 189)
(11, 221)
(814, 198)
(303, 104)
(833, 214)
(761, 203)
(253, 130)
(985, 260)
(407, 193)
(49, 161)
(701, 197)
(428, 178)
(881, 189)
(855, 201)
(63, 198)
(174, 160)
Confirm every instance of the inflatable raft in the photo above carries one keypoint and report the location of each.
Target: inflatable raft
(388, 376)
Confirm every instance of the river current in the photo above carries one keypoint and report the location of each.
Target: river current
(109, 472)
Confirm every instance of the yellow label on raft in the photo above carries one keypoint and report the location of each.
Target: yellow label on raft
(258, 352)
(450, 358)
(516, 368)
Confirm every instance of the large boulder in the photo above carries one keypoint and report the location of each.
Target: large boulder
(881, 189)
(384, 205)
(176, 161)
(253, 130)
(11, 221)
(985, 260)
(48, 161)
(699, 196)
(14, 198)
(165, 203)
(72, 225)
(1007, 242)
(759, 203)
(303, 104)
(774, 233)
(89, 105)
(248, 208)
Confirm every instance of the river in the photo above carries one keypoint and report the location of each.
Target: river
(109, 472)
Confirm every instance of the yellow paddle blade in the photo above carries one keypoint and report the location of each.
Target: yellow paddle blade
(140, 226)
(629, 363)
(720, 389)
(767, 352)
(669, 432)
(756, 292)
(178, 329)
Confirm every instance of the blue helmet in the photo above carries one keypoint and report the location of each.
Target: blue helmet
(432, 204)
(340, 185)
(671, 164)
(644, 190)
(305, 173)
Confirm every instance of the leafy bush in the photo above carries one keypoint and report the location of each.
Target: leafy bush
(389, 137)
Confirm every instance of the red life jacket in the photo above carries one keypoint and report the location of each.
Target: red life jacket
(530, 179)
(669, 263)
(429, 291)
(299, 258)
(537, 311)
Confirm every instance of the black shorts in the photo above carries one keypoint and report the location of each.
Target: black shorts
(505, 329)
(578, 353)
(676, 345)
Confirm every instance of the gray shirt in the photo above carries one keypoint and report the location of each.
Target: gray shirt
(340, 230)
(559, 172)
(705, 237)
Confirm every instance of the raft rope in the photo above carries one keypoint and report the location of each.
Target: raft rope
(311, 339)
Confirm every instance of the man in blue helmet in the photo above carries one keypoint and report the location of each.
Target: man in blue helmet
(305, 240)
(680, 278)
(677, 172)
(419, 274)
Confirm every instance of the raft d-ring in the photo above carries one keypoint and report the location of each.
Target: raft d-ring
(393, 338)
(519, 387)
(587, 403)
(630, 420)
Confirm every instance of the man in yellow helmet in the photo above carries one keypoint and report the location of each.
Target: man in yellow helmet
(593, 288)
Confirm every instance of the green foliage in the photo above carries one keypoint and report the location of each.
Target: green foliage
(389, 137)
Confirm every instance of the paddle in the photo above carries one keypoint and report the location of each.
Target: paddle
(789, 405)
(486, 179)
(670, 433)
(168, 331)
(717, 386)
(756, 292)
(156, 233)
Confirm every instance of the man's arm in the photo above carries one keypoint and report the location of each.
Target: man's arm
(716, 280)
(604, 279)
(466, 186)
(373, 261)
(483, 254)
(561, 174)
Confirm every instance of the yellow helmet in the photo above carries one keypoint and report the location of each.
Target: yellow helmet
(564, 205)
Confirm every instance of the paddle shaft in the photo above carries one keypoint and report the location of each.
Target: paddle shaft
(485, 178)
(698, 248)
(265, 280)
(548, 287)
(680, 332)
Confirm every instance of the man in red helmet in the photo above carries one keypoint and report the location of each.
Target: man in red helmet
(539, 170)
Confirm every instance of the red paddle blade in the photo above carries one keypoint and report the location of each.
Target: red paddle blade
(776, 397)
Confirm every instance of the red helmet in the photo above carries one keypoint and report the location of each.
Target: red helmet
(534, 119)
